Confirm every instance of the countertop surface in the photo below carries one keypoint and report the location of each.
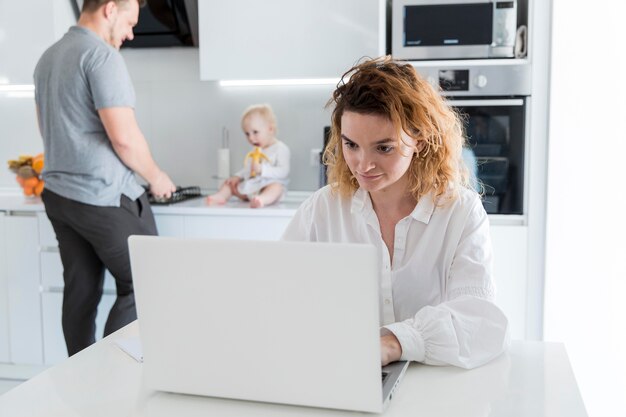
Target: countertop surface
(12, 200)
(532, 379)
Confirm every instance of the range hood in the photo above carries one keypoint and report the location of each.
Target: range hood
(162, 23)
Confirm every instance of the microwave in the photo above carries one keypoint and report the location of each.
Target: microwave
(453, 29)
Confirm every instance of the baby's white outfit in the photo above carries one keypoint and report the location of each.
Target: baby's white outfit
(276, 170)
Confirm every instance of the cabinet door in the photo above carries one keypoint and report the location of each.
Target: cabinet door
(251, 39)
(22, 48)
(510, 269)
(236, 227)
(54, 343)
(4, 297)
(22, 260)
(170, 225)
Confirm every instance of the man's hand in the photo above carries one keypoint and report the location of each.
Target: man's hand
(162, 186)
(390, 349)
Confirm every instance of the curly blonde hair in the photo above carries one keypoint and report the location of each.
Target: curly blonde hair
(394, 90)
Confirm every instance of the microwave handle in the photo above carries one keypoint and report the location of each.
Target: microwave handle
(482, 103)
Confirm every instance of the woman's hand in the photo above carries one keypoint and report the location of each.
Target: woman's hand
(390, 349)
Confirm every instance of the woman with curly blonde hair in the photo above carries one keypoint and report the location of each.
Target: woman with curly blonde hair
(397, 181)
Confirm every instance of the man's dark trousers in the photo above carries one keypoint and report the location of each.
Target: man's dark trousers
(92, 239)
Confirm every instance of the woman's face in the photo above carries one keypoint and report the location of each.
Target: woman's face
(376, 157)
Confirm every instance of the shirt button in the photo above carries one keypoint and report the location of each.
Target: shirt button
(387, 301)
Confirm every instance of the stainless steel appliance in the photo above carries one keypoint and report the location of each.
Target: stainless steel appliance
(493, 101)
(453, 29)
(161, 23)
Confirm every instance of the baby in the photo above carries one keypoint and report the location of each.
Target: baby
(263, 179)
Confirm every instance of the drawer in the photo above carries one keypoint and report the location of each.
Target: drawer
(47, 237)
(170, 225)
(236, 227)
(54, 350)
(52, 273)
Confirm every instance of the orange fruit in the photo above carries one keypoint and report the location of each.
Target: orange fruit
(19, 180)
(30, 182)
(38, 163)
(29, 190)
(39, 188)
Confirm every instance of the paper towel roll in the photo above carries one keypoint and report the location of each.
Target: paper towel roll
(223, 163)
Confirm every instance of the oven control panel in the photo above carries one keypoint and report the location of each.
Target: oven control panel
(492, 80)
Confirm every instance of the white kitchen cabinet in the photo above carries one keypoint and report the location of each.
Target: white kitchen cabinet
(236, 227)
(170, 225)
(54, 347)
(4, 296)
(21, 47)
(251, 39)
(22, 266)
(22, 44)
(510, 271)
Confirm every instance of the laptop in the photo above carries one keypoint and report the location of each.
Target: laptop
(281, 322)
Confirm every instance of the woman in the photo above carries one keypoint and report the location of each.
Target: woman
(397, 181)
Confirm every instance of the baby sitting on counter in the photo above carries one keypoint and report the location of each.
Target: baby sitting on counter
(264, 177)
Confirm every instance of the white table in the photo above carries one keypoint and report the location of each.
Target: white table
(532, 379)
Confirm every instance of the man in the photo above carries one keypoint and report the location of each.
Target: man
(93, 146)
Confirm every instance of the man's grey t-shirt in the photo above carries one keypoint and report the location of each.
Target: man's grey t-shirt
(74, 78)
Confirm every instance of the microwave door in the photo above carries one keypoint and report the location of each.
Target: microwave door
(448, 31)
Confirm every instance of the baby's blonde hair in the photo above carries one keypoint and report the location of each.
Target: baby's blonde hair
(264, 110)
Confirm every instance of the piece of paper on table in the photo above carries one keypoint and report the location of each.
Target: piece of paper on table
(132, 346)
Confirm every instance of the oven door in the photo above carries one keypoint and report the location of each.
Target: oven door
(495, 130)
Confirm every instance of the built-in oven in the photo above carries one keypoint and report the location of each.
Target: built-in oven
(495, 152)
(493, 102)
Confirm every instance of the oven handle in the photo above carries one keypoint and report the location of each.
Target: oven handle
(476, 103)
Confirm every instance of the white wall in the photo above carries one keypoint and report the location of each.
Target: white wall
(586, 219)
(183, 117)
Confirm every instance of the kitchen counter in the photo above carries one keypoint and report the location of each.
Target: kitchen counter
(14, 201)
(531, 379)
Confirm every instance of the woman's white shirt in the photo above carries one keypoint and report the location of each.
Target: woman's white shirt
(437, 295)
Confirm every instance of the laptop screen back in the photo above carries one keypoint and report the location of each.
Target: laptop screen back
(284, 322)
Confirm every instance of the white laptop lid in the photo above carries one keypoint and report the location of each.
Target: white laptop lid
(284, 322)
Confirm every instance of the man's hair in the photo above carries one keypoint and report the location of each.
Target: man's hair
(93, 5)
(263, 110)
(396, 91)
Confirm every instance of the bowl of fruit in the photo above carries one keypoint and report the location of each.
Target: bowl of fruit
(27, 171)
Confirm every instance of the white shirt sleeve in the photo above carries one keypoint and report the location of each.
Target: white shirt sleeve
(300, 228)
(468, 329)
